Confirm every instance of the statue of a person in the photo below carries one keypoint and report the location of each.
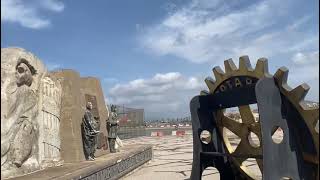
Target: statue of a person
(18, 129)
(89, 133)
(112, 127)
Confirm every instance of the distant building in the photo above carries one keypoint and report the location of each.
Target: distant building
(130, 117)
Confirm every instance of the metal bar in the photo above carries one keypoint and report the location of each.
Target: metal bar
(217, 154)
(282, 159)
(228, 99)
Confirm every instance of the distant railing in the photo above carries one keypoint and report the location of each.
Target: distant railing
(131, 132)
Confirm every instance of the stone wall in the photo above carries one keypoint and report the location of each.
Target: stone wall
(74, 89)
(71, 116)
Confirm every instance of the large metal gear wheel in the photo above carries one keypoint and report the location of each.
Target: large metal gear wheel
(309, 112)
(234, 77)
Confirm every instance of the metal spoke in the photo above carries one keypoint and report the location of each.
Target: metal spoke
(237, 128)
(256, 128)
(245, 148)
(246, 114)
(260, 164)
(240, 149)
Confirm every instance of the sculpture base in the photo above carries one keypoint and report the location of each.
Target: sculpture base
(109, 166)
(112, 144)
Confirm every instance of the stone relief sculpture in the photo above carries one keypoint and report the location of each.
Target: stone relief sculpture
(21, 78)
(49, 122)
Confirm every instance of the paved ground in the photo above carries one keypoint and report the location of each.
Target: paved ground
(172, 160)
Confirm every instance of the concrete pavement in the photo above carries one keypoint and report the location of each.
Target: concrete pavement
(173, 160)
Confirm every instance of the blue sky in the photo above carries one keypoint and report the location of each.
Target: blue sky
(156, 54)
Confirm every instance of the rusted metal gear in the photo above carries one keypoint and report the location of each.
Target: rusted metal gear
(309, 112)
(234, 77)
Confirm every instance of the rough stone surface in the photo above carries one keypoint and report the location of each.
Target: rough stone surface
(71, 116)
(41, 114)
(49, 122)
(22, 77)
(73, 104)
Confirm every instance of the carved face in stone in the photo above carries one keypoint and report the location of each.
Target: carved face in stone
(24, 73)
(21, 74)
(89, 105)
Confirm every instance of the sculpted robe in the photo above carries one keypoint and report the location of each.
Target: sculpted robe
(89, 134)
(18, 128)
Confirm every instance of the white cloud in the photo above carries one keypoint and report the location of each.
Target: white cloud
(28, 13)
(52, 5)
(162, 95)
(214, 30)
(310, 58)
(209, 30)
(305, 68)
(299, 22)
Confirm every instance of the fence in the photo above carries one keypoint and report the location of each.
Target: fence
(132, 132)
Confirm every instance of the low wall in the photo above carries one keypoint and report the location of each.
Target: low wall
(120, 168)
(169, 131)
(132, 132)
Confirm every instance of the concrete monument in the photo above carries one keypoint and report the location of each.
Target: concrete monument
(23, 77)
(41, 114)
(41, 117)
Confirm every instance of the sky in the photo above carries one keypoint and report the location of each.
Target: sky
(156, 54)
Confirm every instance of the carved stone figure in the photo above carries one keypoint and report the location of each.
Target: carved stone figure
(89, 133)
(49, 122)
(112, 127)
(21, 104)
(19, 100)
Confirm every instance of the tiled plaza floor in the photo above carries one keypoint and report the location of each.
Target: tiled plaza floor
(172, 160)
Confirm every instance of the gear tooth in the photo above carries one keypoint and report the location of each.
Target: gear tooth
(282, 75)
(310, 107)
(316, 122)
(262, 66)
(244, 63)
(210, 83)
(229, 66)
(218, 73)
(204, 92)
(300, 92)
